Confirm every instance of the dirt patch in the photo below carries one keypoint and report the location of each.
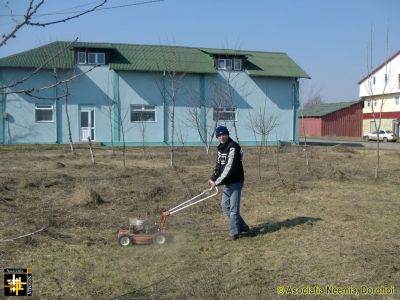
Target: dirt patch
(343, 149)
(85, 196)
(59, 165)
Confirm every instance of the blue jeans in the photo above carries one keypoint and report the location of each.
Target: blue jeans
(231, 207)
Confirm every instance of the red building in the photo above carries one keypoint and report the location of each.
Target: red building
(332, 119)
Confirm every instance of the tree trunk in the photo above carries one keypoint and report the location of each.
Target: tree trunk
(71, 145)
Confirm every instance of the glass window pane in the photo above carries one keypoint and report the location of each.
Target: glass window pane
(84, 119)
(221, 64)
(81, 57)
(228, 64)
(44, 115)
(237, 64)
(92, 58)
(137, 107)
(148, 116)
(101, 58)
(92, 118)
(143, 116)
(224, 114)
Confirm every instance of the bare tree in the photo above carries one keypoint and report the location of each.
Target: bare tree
(301, 111)
(109, 104)
(198, 112)
(71, 144)
(181, 135)
(142, 130)
(262, 123)
(169, 87)
(121, 121)
(31, 11)
(313, 98)
(196, 119)
(305, 141)
(65, 87)
(375, 96)
(91, 150)
(226, 94)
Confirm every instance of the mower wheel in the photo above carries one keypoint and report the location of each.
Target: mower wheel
(159, 239)
(125, 240)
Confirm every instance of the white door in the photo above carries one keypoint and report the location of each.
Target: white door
(87, 124)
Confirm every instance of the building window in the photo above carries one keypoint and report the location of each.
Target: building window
(96, 58)
(237, 64)
(81, 57)
(386, 78)
(91, 58)
(224, 114)
(143, 113)
(228, 64)
(224, 64)
(44, 113)
(373, 80)
(397, 100)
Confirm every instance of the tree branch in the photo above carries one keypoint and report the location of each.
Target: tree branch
(31, 10)
(67, 19)
(35, 90)
(21, 236)
(37, 69)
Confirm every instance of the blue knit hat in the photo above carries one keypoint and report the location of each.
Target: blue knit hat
(221, 130)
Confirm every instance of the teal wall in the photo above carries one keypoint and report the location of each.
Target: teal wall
(110, 94)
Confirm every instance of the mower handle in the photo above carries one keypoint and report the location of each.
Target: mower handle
(193, 200)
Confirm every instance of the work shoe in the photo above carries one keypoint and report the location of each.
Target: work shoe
(245, 229)
(231, 238)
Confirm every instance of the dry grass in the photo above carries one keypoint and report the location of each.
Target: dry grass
(329, 224)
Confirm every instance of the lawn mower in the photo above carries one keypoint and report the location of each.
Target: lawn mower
(140, 231)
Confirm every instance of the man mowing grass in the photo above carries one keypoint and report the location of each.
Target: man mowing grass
(229, 172)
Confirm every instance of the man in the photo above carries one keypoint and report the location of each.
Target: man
(229, 172)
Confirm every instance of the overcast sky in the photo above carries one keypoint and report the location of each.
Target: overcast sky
(329, 39)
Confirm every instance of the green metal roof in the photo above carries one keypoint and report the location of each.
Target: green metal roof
(156, 58)
(323, 109)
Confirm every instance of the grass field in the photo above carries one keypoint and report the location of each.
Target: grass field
(328, 228)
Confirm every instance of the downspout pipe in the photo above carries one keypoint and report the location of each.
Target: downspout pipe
(2, 110)
(116, 108)
(296, 106)
(203, 116)
(57, 120)
(165, 111)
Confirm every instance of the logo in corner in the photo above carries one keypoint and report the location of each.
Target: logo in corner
(18, 282)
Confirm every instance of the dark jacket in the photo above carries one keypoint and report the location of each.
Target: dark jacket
(229, 167)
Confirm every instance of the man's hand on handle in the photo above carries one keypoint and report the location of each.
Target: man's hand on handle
(211, 183)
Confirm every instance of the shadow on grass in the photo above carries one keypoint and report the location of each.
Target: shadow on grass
(266, 228)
